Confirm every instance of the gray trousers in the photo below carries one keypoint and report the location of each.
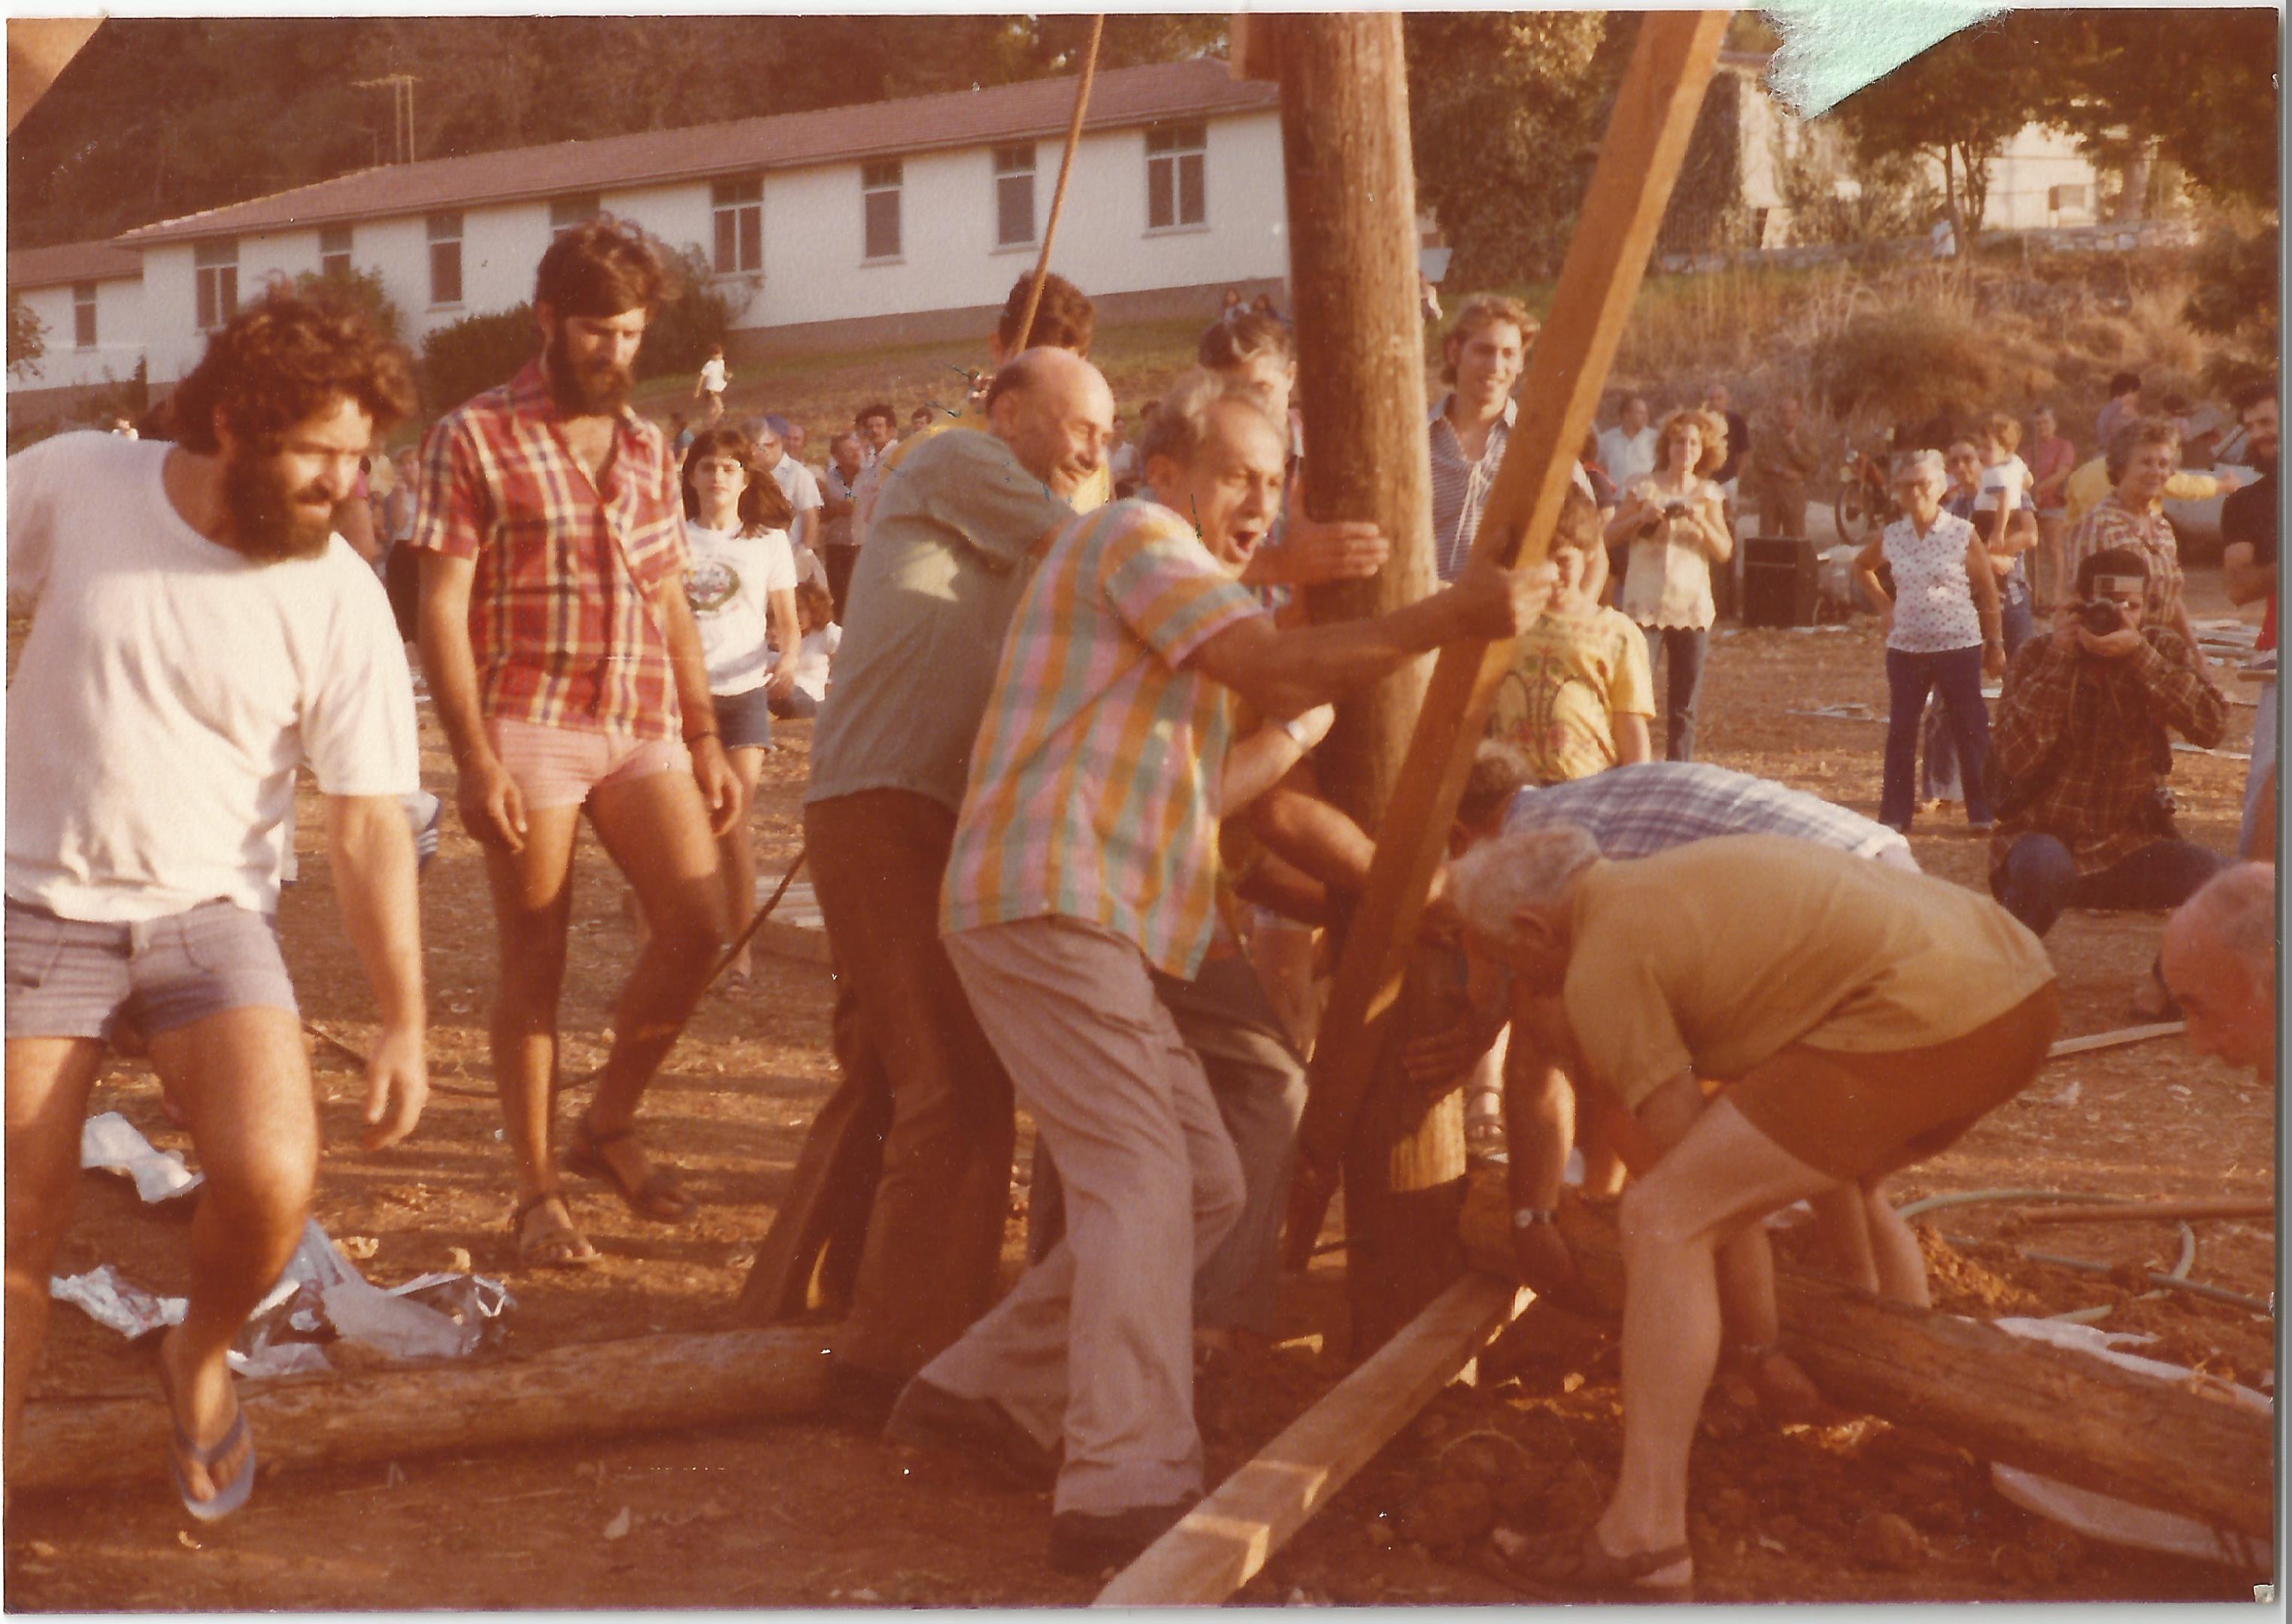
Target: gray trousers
(1259, 1084)
(1093, 1347)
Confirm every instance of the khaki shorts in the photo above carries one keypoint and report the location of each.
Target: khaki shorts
(1853, 1115)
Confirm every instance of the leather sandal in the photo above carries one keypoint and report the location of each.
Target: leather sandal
(1572, 1565)
(660, 1197)
(564, 1248)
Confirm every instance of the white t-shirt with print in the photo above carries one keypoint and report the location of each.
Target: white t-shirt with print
(170, 686)
(1933, 596)
(730, 584)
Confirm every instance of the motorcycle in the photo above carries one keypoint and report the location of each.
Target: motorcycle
(1863, 505)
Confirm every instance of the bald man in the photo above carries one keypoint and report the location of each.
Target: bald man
(2220, 961)
(904, 1179)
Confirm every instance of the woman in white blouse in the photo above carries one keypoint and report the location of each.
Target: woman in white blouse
(1675, 521)
(1942, 633)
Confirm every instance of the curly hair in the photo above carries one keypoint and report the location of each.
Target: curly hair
(1482, 310)
(763, 505)
(1709, 424)
(603, 266)
(283, 360)
(2140, 431)
(1063, 320)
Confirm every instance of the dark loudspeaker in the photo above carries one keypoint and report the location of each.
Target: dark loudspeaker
(1781, 583)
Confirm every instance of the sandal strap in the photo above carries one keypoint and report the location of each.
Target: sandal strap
(611, 1136)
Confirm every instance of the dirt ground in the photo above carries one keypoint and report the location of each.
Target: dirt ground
(789, 1514)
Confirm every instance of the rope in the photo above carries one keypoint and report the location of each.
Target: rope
(1066, 168)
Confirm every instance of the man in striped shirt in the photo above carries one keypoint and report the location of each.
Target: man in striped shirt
(568, 673)
(1085, 858)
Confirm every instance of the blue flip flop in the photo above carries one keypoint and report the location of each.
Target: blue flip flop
(232, 1495)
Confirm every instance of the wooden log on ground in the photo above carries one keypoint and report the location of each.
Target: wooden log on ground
(1222, 1542)
(2119, 1038)
(1646, 138)
(589, 1390)
(2115, 1212)
(2005, 1397)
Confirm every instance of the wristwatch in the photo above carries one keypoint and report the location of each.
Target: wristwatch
(1529, 1218)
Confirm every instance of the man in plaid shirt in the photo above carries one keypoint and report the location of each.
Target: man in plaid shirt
(2083, 719)
(567, 670)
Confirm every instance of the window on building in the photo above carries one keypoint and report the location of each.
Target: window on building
(216, 266)
(739, 210)
(879, 192)
(1175, 190)
(84, 315)
(446, 259)
(335, 251)
(578, 210)
(1015, 196)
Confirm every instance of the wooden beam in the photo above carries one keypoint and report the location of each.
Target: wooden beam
(2005, 1397)
(1225, 1541)
(1655, 112)
(589, 1390)
(2116, 1039)
(40, 48)
(2123, 1212)
(1352, 188)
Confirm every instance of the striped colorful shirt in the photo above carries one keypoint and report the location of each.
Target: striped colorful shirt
(561, 617)
(1648, 806)
(1094, 782)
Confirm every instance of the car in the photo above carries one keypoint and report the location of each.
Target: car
(2196, 525)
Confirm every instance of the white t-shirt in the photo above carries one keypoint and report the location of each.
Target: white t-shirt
(730, 583)
(1628, 457)
(813, 657)
(801, 486)
(2003, 484)
(1934, 598)
(170, 686)
(712, 374)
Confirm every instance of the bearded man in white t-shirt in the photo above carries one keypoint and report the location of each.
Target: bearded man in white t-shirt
(198, 632)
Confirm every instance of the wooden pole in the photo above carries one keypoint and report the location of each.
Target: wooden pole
(2005, 1397)
(589, 1390)
(2119, 1038)
(1222, 1542)
(1066, 168)
(39, 49)
(1361, 372)
(1647, 133)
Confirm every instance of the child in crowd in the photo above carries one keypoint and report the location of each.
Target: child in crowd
(815, 614)
(2007, 523)
(1579, 698)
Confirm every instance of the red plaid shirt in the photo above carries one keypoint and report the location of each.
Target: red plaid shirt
(561, 618)
(2112, 524)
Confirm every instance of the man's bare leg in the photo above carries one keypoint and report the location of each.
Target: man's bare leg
(1898, 1261)
(533, 900)
(656, 829)
(245, 1079)
(1721, 1175)
(48, 1083)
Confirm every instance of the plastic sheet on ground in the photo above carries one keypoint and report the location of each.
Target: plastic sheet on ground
(109, 1141)
(117, 1303)
(2102, 1516)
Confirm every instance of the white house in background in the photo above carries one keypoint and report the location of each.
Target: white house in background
(889, 222)
(89, 300)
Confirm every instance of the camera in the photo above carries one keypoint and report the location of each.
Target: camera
(2100, 616)
(1674, 510)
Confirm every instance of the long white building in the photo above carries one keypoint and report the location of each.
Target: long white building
(889, 222)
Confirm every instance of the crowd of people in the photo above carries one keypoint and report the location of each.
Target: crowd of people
(1065, 832)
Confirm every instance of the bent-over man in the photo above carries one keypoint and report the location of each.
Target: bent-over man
(197, 632)
(1863, 1020)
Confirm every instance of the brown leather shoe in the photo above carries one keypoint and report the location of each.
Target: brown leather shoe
(1091, 1542)
(930, 1417)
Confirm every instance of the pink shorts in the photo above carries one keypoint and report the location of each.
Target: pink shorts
(562, 766)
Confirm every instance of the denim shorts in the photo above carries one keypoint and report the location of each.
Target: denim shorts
(75, 978)
(744, 721)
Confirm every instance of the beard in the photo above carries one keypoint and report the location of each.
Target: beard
(269, 524)
(600, 390)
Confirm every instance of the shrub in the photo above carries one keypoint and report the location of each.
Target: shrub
(476, 353)
(678, 337)
(358, 291)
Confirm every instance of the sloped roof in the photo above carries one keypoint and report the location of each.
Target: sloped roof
(1036, 108)
(91, 262)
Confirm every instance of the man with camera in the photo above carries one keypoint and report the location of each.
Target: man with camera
(2081, 752)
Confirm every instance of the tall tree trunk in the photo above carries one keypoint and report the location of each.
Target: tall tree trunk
(1352, 259)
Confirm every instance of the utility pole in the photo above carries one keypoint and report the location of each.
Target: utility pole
(402, 112)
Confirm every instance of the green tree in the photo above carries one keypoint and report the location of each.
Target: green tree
(27, 338)
(360, 290)
(1505, 109)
